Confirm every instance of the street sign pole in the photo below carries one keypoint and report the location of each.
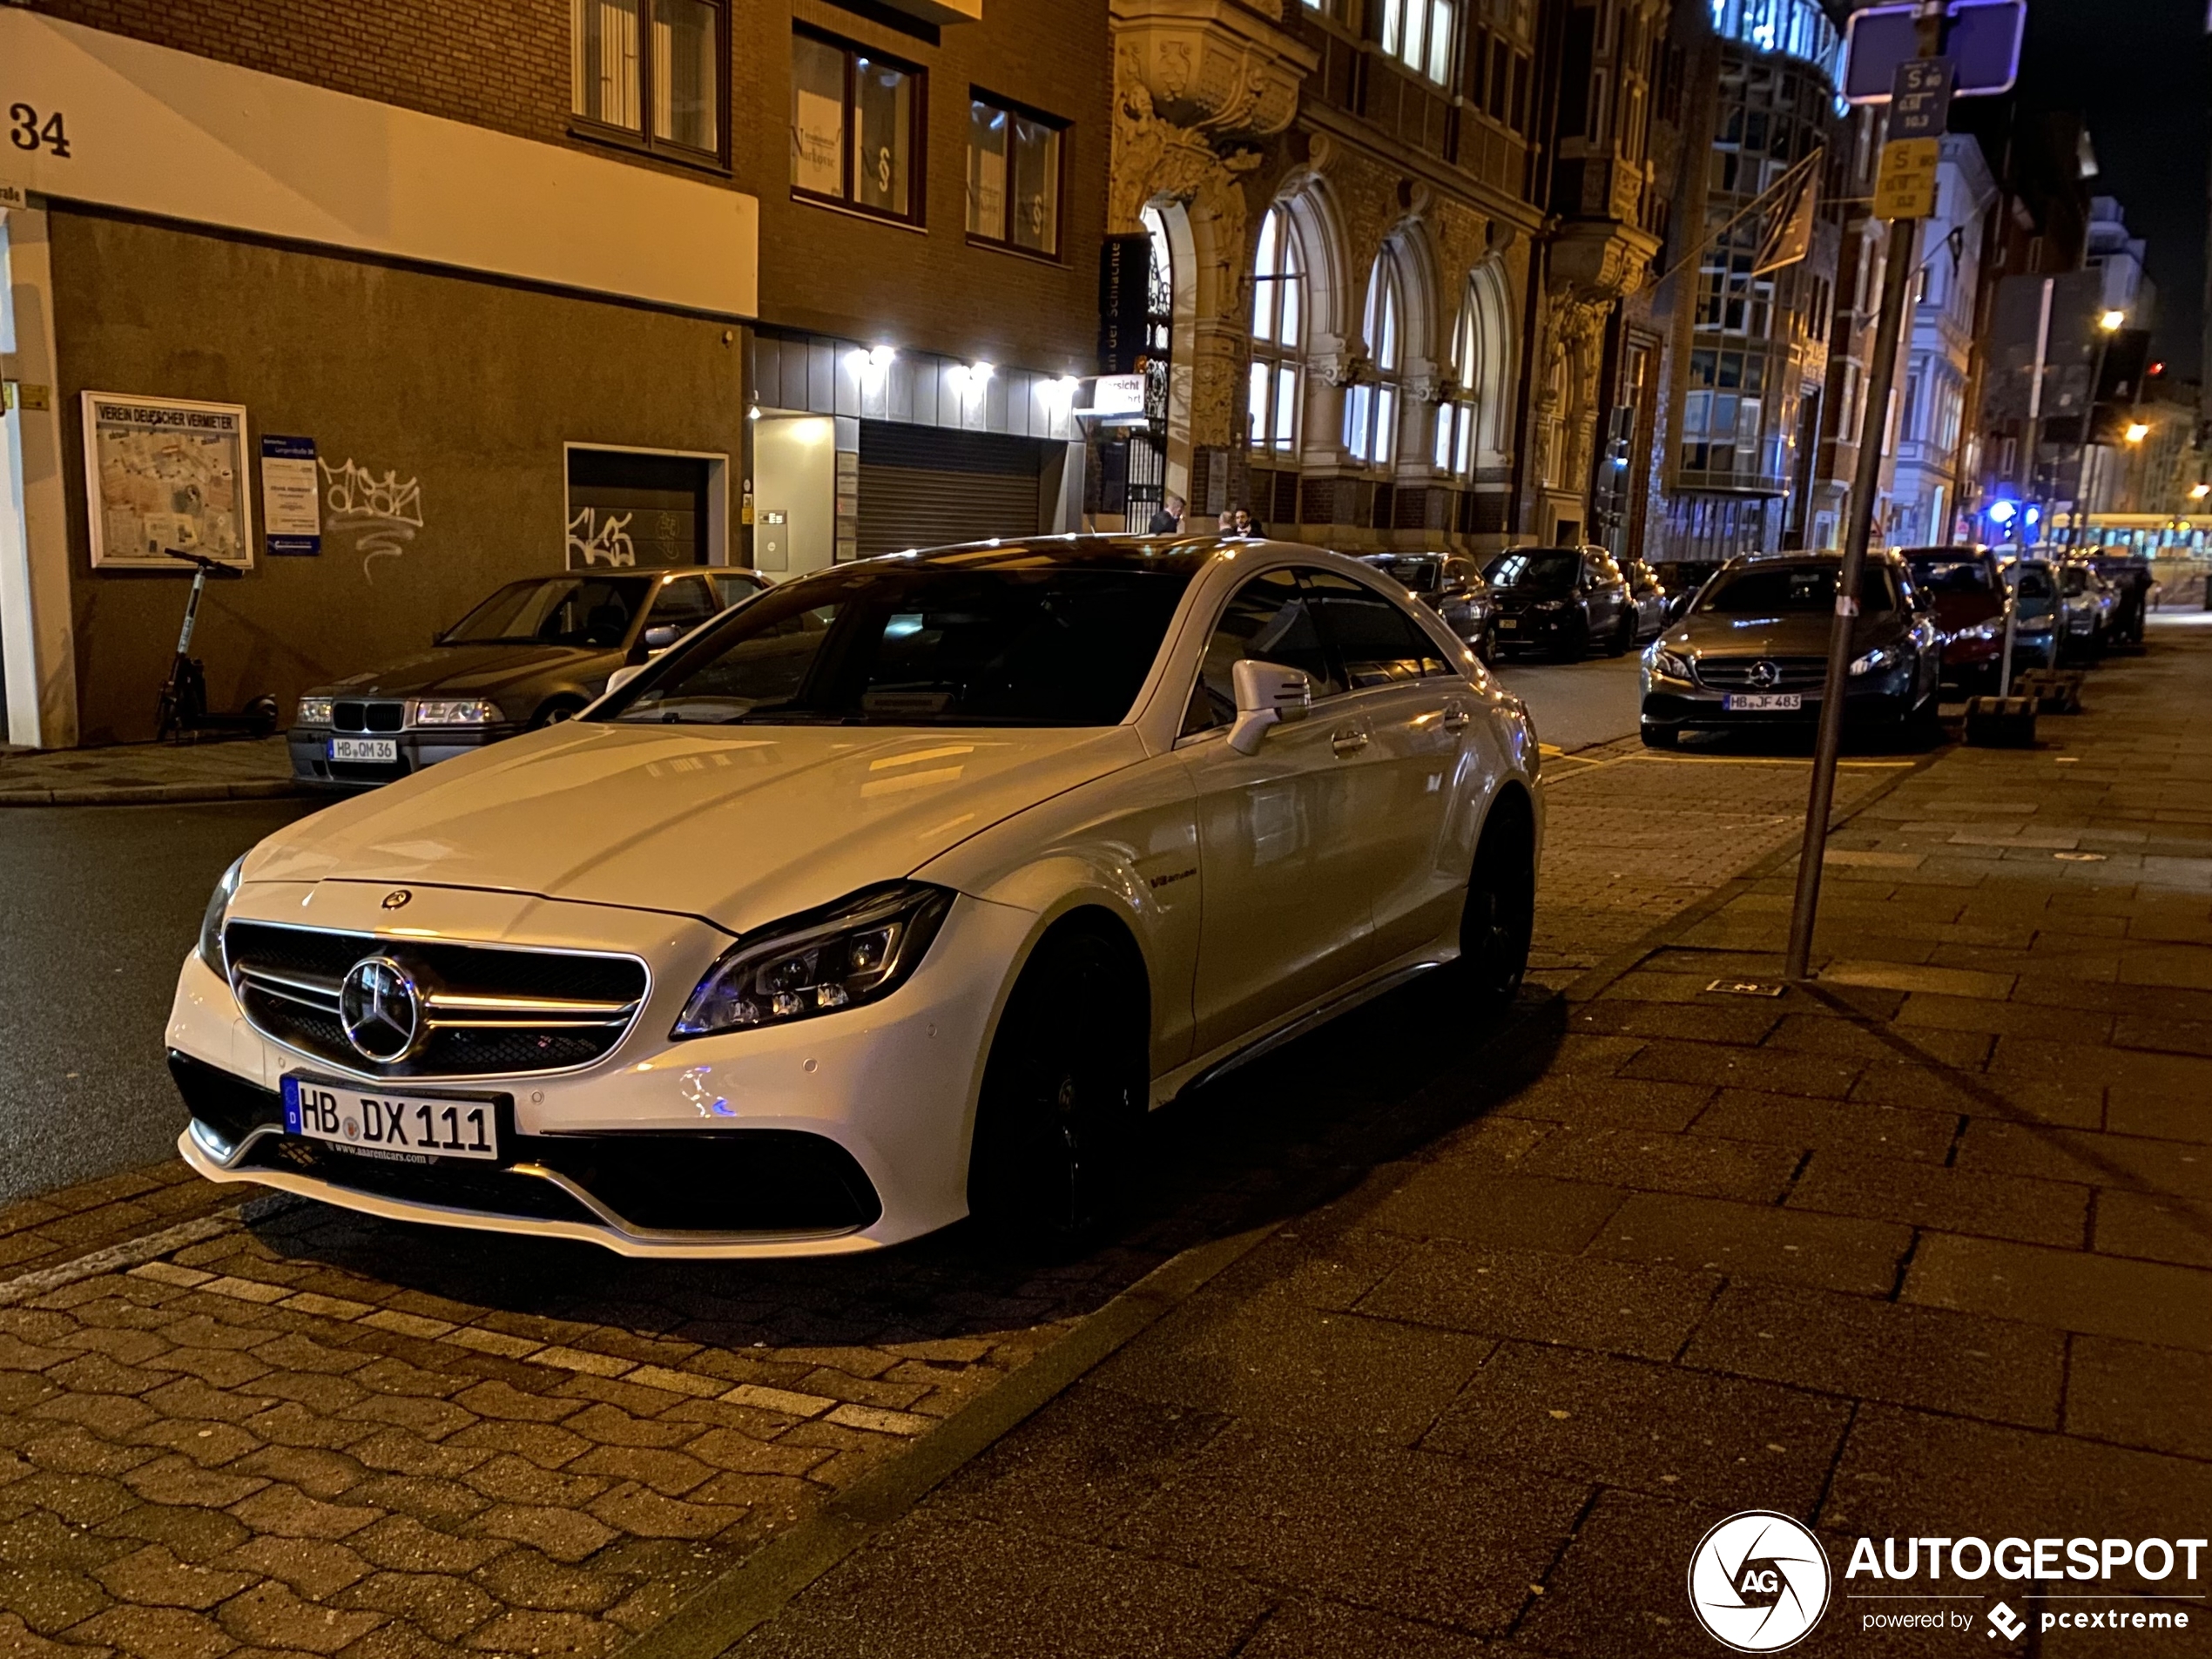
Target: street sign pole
(1905, 194)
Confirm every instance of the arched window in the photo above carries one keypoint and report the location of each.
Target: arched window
(1371, 410)
(1278, 334)
(1455, 415)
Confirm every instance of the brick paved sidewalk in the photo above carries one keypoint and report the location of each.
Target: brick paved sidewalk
(446, 1442)
(138, 773)
(1922, 1250)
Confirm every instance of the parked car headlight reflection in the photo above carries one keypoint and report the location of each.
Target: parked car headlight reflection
(218, 911)
(1876, 661)
(1666, 665)
(464, 711)
(315, 711)
(855, 951)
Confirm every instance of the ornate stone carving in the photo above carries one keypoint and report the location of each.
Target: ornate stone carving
(1155, 157)
(1214, 66)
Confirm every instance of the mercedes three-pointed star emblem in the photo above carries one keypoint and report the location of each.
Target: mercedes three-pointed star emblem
(381, 1009)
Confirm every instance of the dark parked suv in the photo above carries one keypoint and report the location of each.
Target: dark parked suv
(1967, 588)
(1752, 650)
(1561, 600)
(535, 651)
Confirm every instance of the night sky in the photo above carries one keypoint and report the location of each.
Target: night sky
(2137, 68)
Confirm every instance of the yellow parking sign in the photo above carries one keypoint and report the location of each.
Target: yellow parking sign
(1905, 187)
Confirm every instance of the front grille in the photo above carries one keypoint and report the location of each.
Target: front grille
(1737, 673)
(486, 1010)
(356, 716)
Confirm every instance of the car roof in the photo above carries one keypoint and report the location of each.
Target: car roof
(1806, 556)
(1183, 554)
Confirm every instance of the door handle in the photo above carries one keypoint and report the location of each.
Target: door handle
(1348, 739)
(1455, 716)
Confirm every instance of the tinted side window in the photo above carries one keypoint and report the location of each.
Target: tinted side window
(1376, 642)
(1268, 620)
(684, 603)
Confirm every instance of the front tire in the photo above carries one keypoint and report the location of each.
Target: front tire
(1063, 1095)
(1499, 917)
(1624, 638)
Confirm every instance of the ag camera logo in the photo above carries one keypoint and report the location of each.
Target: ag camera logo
(1758, 1582)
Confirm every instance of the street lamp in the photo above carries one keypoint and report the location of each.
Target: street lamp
(2137, 431)
(2109, 322)
(2113, 322)
(2198, 492)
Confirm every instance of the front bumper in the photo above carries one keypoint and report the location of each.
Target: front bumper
(846, 1132)
(1888, 697)
(417, 747)
(1531, 629)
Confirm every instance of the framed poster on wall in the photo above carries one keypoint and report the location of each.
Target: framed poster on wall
(162, 473)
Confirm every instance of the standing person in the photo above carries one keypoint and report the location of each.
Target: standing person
(1169, 520)
(1247, 525)
(1228, 523)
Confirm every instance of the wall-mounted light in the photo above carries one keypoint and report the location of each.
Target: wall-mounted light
(2198, 492)
(2137, 431)
(872, 364)
(753, 413)
(2113, 322)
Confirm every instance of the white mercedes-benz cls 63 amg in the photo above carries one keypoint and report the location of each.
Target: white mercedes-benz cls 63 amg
(896, 895)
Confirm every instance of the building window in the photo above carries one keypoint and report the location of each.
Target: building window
(1013, 177)
(1455, 416)
(631, 58)
(855, 128)
(1370, 409)
(1278, 334)
(1419, 34)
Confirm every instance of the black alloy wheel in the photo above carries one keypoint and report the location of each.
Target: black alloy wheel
(1624, 637)
(1499, 917)
(1063, 1097)
(560, 708)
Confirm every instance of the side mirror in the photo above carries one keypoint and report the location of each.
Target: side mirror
(661, 637)
(1266, 693)
(622, 676)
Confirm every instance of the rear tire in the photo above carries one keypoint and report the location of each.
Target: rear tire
(1499, 916)
(1063, 1095)
(1624, 637)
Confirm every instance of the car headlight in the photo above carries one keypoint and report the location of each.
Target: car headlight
(855, 951)
(1989, 630)
(315, 711)
(218, 907)
(1666, 665)
(461, 711)
(1875, 661)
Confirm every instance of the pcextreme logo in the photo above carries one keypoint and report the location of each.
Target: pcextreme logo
(1758, 1582)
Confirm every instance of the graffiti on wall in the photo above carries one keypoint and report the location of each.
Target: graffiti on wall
(378, 515)
(592, 541)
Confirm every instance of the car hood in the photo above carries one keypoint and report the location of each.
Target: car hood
(1957, 611)
(1801, 635)
(741, 826)
(475, 671)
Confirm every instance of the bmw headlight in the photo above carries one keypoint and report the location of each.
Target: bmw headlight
(315, 711)
(1875, 661)
(218, 907)
(855, 951)
(1665, 665)
(458, 710)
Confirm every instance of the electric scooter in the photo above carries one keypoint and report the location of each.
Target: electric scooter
(183, 708)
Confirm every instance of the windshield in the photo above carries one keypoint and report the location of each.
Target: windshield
(2032, 584)
(1415, 575)
(898, 645)
(1790, 590)
(588, 611)
(1954, 573)
(1535, 566)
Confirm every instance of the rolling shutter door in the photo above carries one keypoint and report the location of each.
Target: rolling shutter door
(925, 487)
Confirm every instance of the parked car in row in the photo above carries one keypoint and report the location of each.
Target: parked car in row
(1655, 606)
(2034, 584)
(536, 652)
(1452, 585)
(1966, 589)
(2089, 603)
(898, 894)
(1560, 601)
(1752, 650)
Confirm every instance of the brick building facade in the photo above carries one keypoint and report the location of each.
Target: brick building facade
(537, 287)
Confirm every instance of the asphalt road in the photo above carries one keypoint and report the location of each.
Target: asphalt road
(103, 903)
(1575, 705)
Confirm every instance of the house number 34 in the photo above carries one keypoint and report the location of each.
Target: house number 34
(27, 131)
